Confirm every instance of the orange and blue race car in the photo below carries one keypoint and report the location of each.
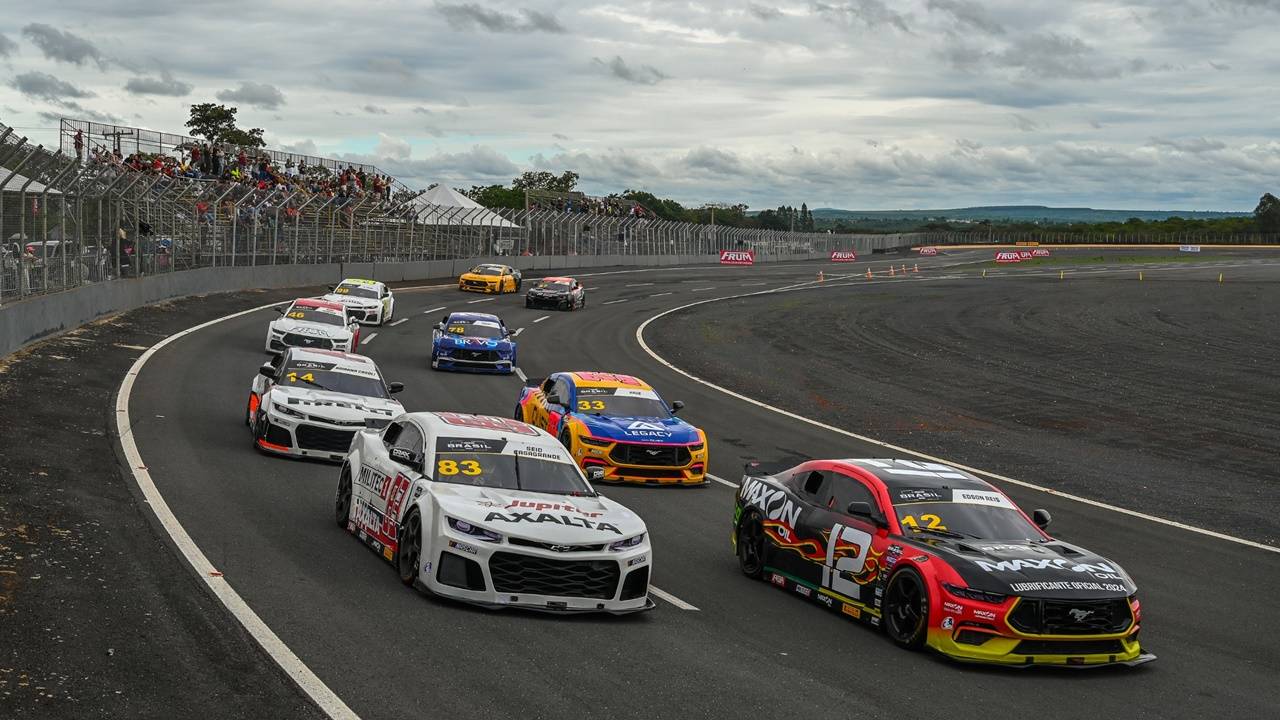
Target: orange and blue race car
(939, 559)
(617, 423)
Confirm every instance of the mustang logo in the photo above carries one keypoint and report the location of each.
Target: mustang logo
(1080, 614)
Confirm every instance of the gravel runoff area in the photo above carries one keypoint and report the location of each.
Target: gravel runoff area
(1158, 395)
(98, 617)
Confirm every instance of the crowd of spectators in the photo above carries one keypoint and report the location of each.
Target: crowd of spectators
(611, 206)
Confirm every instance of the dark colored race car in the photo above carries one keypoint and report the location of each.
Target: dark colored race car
(473, 342)
(556, 293)
(940, 559)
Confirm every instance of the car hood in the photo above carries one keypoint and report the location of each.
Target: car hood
(667, 430)
(311, 329)
(333, 405)
(1053, 569)
(473, 343)
(353, 301)
(561, 519)
(474, 276)
(548, 292)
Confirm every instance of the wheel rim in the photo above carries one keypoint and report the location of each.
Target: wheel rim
(905, 604)
(342, 505)
(750, 540)
(410, 547)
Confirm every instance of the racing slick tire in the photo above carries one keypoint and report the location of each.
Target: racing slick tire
(409, 549)
(564, 438)
(528, 304)
(519, 413)
(751, 546)
(518, 284)
(435, 361)
(906, 609)
(259, 428)
(342, 503)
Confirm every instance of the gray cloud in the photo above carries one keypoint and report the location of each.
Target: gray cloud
(1022, 123)
(81, 113)
(259, 95)
(469, 16)
(640, 75)
(166, 85)
(302, 147)
(871, 13)
(1194, 146)
(967, 13)
(762, 12)
(7, 47)
(375, 110)
(713, 160)
(63, 46)
(44, 86)
(1055, 56)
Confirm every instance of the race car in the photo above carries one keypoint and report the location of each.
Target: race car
(557, 293)
(473, 342)
(939, 559)
(368, 301)
(617, 423)
(493, 512)
(490, 278)
(312, 323)
(309, 403)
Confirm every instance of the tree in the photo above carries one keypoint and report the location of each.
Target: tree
(217, 124)
(543, 180)
(495, 196)
(1267, 214)
(251, 138)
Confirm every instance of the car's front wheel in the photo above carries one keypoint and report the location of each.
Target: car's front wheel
(409, 552)
(519, 414)
(906, 609)
(751, 545)
(342, 503)
(565, 439)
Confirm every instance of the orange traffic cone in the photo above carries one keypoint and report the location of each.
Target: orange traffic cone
(868, 272)
(820, 276)
(917, 268)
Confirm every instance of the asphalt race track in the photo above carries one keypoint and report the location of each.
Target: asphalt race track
(747, 649)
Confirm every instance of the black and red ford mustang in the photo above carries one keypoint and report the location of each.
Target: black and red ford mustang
(938, 558)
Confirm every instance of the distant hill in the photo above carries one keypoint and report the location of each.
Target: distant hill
(1021, 213)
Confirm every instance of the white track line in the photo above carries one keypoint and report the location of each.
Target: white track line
(473, 302)
(898, 448)
(367, 340)
(544, 317)
(594, 288)
(637, 284)
(614, 302)
(520, 374)
(517, 331)
(428, 312)
(701, 289)
(671, 598)
(401, 321)
(661, 294)
(722, 481)
(293, 666)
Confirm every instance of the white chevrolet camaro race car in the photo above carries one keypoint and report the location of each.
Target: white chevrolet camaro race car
(317, 324)
(368, 301)
(310, 403)
(494, 512)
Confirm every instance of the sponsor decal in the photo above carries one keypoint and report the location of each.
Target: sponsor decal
(1024, 254)
(637, 560)
(388, 553)
(910, 495)
(469, 445)
(980, 497)
(604, 377)
(1040, 252)
(851, 610)
(737, 257)
(984, 614)
(517, 517)
(773, 502)
(953, 607)
(948, 623)
(486, 422)
(1067, 585)
(843, 255)
(426, 568)
(826, 600)
(875, 621)
(921, 558)
(803, 590)
(928, 251)
(641, 428)
(543, 506)
(1189, 248)
(1008, 257)
(596, 391)
(778, 580)
(463, 547)
(1101, 571)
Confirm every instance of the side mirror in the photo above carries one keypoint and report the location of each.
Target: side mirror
(395, 387)
(1041, 518)
(406, 457)
(595, 473)
(267, 371)
(677, 406)
(554, 399)
(861, 509)
(440, 327)
(280, 310)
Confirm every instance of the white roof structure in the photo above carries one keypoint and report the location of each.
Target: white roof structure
(15, 184)
(442, 205)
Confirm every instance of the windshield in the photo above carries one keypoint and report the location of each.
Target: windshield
(324, 316)
(557, 286)
(322, 376)
(986, 522)
(360, 291)
(470, 329)
(510, 472)
(621, 406)
(486, 270)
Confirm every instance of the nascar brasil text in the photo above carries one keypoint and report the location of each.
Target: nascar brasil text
(938, 558)
(494, 512)
(617, 423)
(473, 342)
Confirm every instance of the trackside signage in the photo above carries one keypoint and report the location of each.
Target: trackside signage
(1188, 248)
(1040, 252)
(737, 257)
(928, 251)
(843, 256)
(1008, 256)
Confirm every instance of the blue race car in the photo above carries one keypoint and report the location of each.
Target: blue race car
(473, 342)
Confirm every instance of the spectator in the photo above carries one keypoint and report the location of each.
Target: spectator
(79, 144)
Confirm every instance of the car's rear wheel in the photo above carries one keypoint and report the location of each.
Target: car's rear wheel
(409, 553)
(342, 503)
(751, 545)
(906, 609)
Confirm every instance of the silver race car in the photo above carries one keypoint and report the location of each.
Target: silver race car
(317, 324)
(368, 301)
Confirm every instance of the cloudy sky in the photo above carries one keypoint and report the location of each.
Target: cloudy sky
(864, 104)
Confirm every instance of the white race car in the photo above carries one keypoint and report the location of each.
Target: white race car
(494, 512)
(368, 301)
(310, 403)
(318, 324)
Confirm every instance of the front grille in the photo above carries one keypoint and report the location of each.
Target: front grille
(1069, 647)
(651, 455)
(474, 355)
(554, 547)
(475, 283)
(1072, 617)
(307, 341)
(656, 472)
(311, 437)
(331, 421)
(518, 574)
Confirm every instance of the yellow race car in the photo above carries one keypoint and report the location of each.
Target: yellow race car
(490, 278)
(618, 424)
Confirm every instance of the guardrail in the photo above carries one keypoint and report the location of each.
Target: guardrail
(994, 237)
